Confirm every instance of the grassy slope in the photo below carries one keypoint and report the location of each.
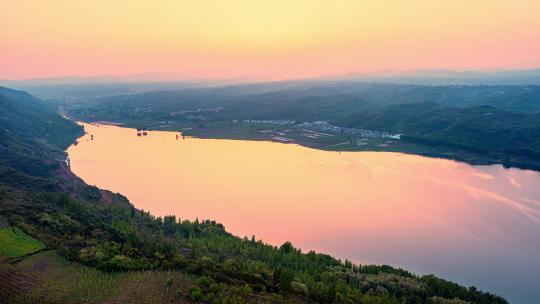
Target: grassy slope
(15, 243)
(49, 277)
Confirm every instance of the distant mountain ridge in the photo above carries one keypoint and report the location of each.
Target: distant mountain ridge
(416, 76)
(449, 77)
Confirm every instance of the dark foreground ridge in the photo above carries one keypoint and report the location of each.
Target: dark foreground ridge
(62, 241)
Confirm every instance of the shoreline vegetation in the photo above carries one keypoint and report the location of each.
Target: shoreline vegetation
(94, 246)
(331, 142)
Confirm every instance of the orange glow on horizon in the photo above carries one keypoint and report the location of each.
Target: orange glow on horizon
(277, 40)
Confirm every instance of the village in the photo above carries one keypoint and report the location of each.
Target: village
(317, 134)
(290, 131)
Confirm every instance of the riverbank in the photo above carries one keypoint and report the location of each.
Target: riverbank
(326, 141)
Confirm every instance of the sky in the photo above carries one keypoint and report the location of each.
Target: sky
(266, 39)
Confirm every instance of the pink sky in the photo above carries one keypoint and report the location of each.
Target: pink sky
(275, 40)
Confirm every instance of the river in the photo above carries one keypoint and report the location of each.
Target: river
(476, 225)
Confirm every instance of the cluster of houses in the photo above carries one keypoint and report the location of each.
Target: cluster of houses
(146, 109)
(280, 122)
(327, 127)
(196, 111)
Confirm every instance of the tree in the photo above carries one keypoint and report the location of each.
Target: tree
(286, 276)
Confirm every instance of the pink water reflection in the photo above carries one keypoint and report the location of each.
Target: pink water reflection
(475, 225)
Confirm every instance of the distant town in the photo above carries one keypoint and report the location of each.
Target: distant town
(307, 129)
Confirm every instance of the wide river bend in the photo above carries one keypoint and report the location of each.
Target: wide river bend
(476, 225)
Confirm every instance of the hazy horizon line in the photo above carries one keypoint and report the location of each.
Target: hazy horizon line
(176, 77)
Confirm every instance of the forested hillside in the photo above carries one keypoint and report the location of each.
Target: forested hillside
(298, 99)
(63, 241)
(484, 129)
(32, 140)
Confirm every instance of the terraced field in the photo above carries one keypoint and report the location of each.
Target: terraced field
(30, 276)
(48, 278)
(15, 243)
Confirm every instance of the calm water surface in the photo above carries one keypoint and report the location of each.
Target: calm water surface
(474, 225)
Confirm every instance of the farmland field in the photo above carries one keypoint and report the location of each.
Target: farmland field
(47, 277)
(15, 243)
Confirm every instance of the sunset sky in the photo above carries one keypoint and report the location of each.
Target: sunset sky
(271, 39)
